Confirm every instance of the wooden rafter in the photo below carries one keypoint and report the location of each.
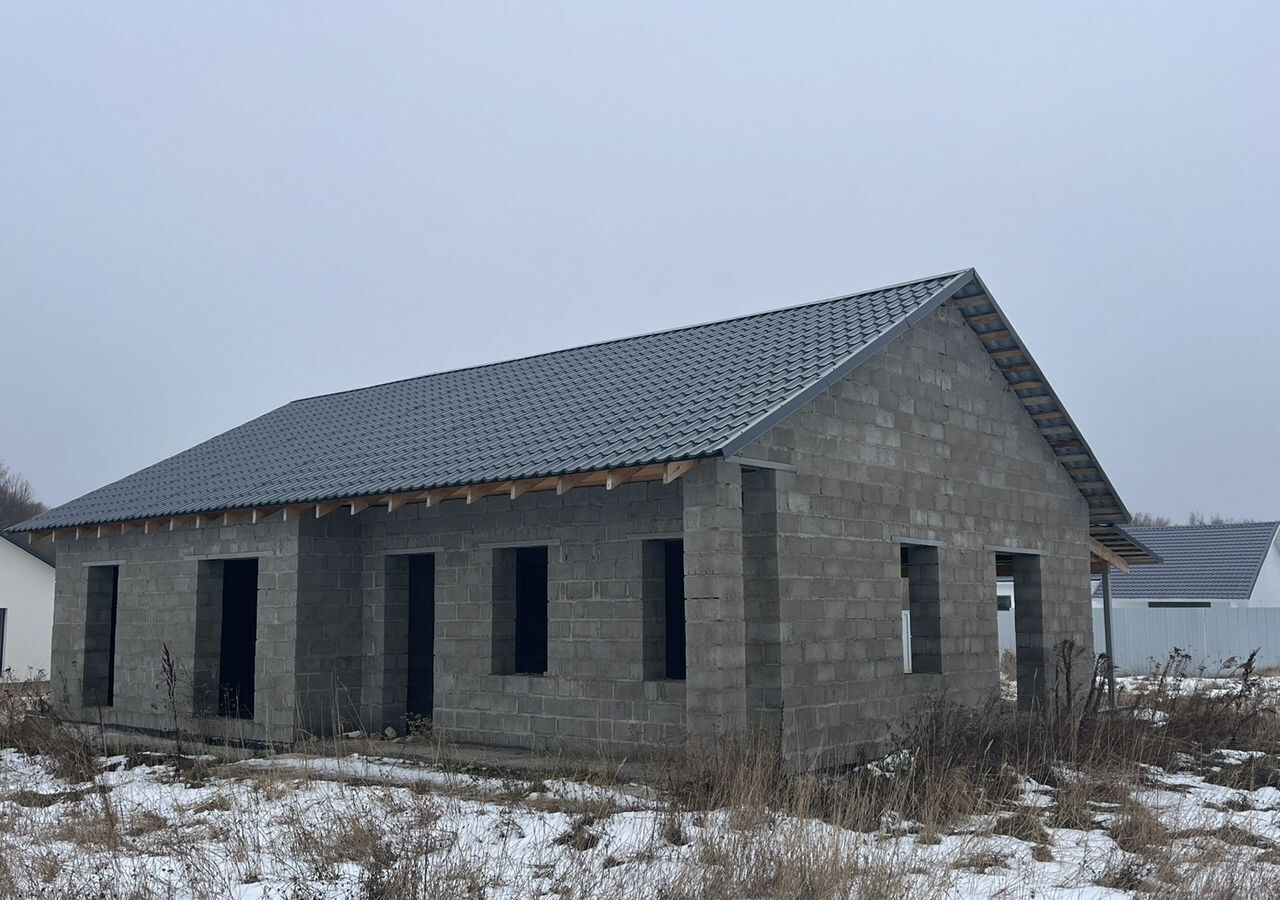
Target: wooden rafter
(360, 504)
(1106, 554)
(566, 483)
(677, 469)
(520, 488)
(295, 511)
(618, 477)
(984, 318)
(478, 491)
(606, 478)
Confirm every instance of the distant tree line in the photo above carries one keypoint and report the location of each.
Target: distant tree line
(1146, 520)
(17, 498)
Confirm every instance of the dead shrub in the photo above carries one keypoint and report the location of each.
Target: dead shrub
(91, 828)
(787, 865)
(981, 861)
(672, 830)
(1009, 666)
(580, 837)
(216, 803)
(1125, 873)
(1072, 808)
(1236, 713)
(145, 822)
(38, 800)
(1136, 829)
(1250, 775)
(1230, 834)
(1025, 823)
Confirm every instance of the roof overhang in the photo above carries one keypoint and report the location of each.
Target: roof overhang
(609, 479)
(1112, 545)
(1032, 388)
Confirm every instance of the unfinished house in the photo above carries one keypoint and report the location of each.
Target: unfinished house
(791, 520)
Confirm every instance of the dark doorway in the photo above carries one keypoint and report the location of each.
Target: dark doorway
(531, 610)
(102, 602)
(673, 598)
(422, 635)
(237, 655)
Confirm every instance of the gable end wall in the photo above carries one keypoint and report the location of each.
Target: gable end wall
(926, 441)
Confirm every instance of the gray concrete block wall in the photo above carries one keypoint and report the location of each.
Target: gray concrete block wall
(595, 692)
(158, 598)
(924, 441)
(329, 664)
(761, 494)
(715, 606)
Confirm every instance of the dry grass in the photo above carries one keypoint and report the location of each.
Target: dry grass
(1025, 823)
(734, 819)
(1136, 829)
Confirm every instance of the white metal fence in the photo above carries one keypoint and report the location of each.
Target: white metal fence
(1145, 637)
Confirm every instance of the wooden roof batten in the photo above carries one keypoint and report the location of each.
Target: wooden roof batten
(1022, 374)
(609, 479)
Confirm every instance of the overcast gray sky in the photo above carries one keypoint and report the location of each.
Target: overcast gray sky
(207, 211)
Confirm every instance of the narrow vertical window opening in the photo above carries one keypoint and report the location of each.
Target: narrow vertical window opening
(921, 610)
(520, 598)
(664, 609)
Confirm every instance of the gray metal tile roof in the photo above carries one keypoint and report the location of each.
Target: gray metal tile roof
(679, 394)
(1201, 562)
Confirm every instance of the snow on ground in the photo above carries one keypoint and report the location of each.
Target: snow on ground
(294, 827)
(1186, 685)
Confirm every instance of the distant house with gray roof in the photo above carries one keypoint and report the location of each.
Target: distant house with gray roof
(791, 520)
(1235, 565)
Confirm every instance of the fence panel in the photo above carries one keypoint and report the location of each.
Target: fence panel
(1145, 637)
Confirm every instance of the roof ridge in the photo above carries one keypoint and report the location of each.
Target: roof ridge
(944, 276)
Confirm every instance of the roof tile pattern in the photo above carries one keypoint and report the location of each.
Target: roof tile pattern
(1201, 562)
(671, 395)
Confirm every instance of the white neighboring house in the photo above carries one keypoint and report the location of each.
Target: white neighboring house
(1203, 567)
(26, 609)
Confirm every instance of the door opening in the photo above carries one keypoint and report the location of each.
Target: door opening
(238, 651)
